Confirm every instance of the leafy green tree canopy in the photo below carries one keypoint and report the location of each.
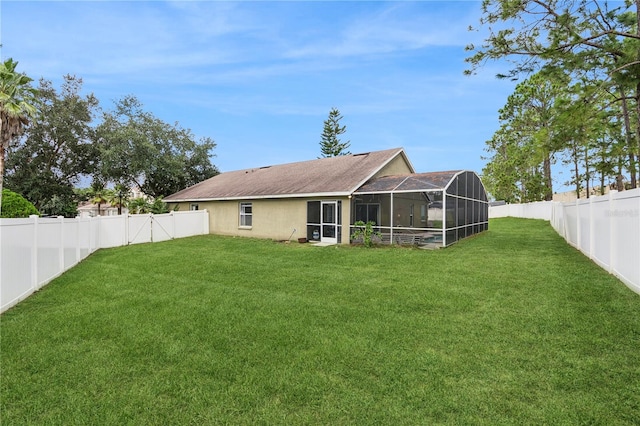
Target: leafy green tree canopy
(138, 149)
(596, 44)
(57, 150)
(330, 143)
(566, 33)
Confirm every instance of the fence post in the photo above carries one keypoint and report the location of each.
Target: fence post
(591, 228)
(90, 226)
(78, 232)
(125, 237)
(61, 246)
(127, 222)
(97, 224)
(34, 253)
(578, 236)
(206, 221)
(173, 224)
(612, 227)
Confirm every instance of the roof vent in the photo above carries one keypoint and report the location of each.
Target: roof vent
(361, 154)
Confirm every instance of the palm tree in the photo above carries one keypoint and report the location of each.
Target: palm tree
(139, 206)
(100, 195)
(17, 105)
(120, 197)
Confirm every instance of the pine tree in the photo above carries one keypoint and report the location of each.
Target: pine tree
(330, 144)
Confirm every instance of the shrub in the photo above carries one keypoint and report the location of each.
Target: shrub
(365, 232)
(15, 205)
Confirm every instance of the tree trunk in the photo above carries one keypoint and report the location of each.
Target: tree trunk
(629, 138)
(576, 169)
(586, 171)
(548, 182)
(2, 153)
(634, 183)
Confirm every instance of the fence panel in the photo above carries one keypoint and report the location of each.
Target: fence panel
(88, 236)
(584, 226)
(112, 231)
(140, 228)
(48, 244)
(162, 227)
(191, 223)
(34, 251)
(538, 210)
(70, 243)
(557, 219)
(601, 228)
(16, 242)
(625, 215)
(570, 224)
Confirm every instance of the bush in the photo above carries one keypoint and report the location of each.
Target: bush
(365, 232)
(15, 205)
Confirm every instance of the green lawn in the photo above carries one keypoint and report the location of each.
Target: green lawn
(510, 327)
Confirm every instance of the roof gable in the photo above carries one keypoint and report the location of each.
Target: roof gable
(340, 175)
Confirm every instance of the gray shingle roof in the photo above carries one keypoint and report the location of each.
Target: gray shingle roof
(326, 176)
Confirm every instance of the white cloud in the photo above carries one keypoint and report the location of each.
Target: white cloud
(399, 28)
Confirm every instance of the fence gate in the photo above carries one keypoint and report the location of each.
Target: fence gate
(140, 228)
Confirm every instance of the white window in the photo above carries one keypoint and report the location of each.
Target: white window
(194, 207)
(246, 215)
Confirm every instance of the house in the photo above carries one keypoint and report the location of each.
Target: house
(89, 209)
(320, 200)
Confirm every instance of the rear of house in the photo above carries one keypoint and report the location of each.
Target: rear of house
(321, 199)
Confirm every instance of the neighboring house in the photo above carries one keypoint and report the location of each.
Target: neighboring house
(88, 209)
(321, 199)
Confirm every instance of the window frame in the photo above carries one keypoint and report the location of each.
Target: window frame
(243, 216)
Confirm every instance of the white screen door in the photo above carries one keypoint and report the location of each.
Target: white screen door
(329, 223)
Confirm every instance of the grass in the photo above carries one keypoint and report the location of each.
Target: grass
(510, 327)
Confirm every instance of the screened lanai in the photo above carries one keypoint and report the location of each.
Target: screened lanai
(428, 209)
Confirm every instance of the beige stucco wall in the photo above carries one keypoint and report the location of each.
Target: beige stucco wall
(397, 166)
(277, 218)
(272, 218)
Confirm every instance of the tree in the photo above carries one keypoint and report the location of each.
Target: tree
(100, 195)
(565, 33)
(577, 37)
(138, 149)
(120, 197)
(158, 206)
(139, 206)
(15, 205)
(57, 150)
(531, 111)
(330, 144)
(514, 172)
(17, 106)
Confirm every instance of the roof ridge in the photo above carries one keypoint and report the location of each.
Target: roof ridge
(329, 175)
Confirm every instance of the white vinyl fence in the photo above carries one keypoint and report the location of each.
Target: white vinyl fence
(605, 228)
(34, 251)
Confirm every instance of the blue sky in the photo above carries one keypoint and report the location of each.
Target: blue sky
(260, 77)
